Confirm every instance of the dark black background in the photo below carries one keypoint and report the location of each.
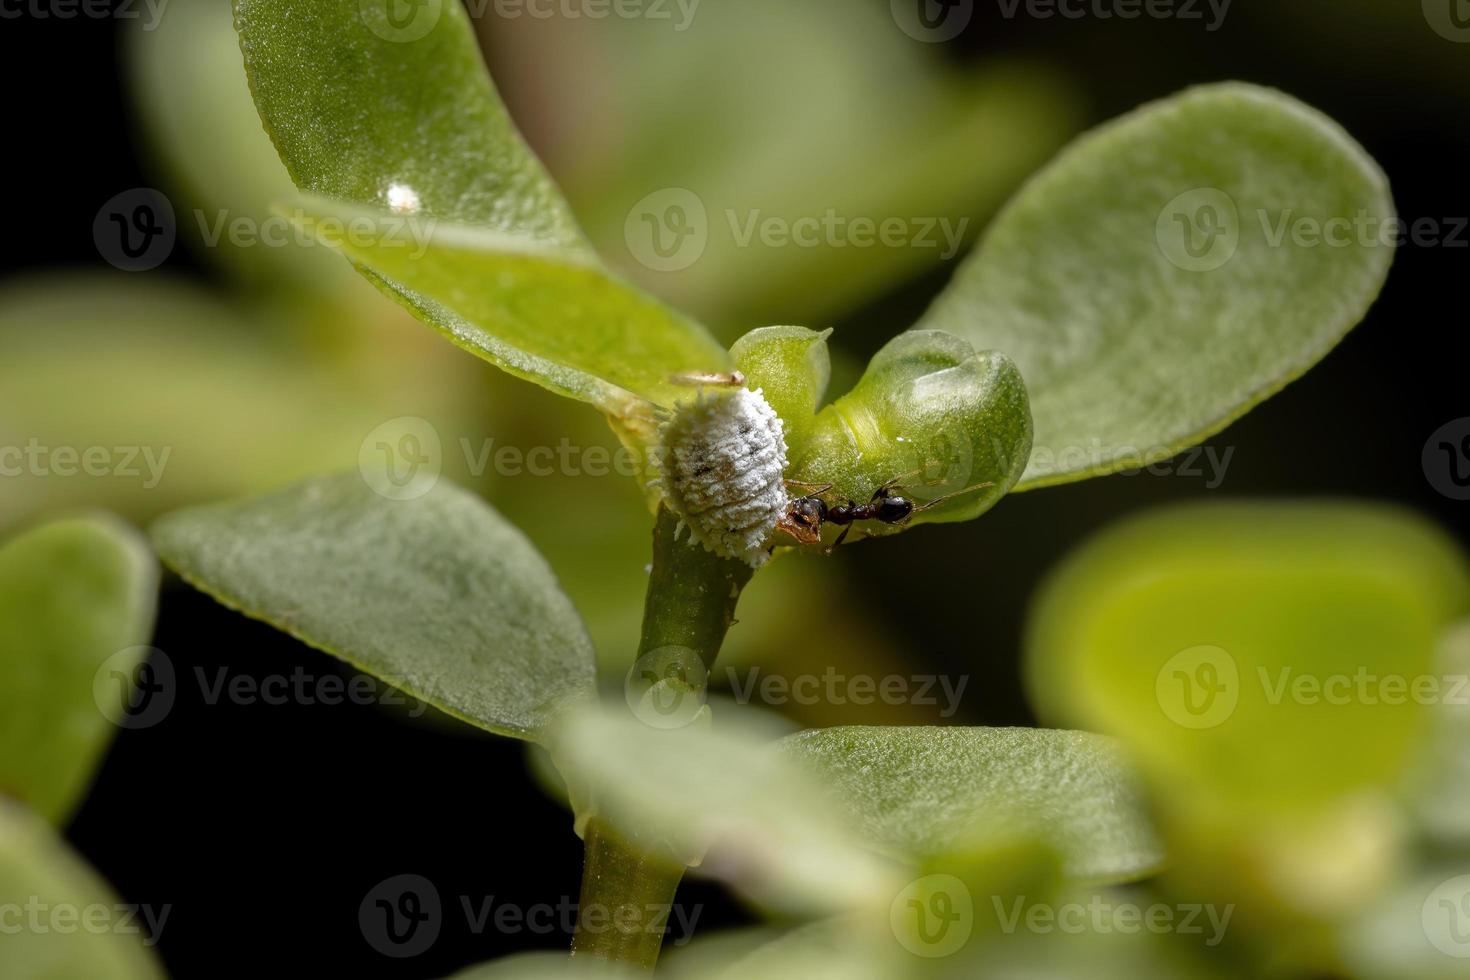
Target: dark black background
(263, 828)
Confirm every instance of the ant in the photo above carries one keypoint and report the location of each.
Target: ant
(805, 516)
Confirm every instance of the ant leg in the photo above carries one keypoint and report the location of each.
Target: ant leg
(840, 538)
(883, 491)
(950, 496)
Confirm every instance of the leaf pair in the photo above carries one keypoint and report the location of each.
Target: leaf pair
(1152, 284)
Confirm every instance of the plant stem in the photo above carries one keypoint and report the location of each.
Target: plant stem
(691, 594)
(690, 605)
(627, 897)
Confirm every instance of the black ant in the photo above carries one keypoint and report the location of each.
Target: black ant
(805, 516)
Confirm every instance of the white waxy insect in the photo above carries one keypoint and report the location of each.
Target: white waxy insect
(723, 460)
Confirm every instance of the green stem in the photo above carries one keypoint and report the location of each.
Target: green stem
(627, 897)
(690, 605)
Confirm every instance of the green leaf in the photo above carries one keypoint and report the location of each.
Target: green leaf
(769, 830)
(436, 595)
(549, 966)
(1270, 666)
(375, 114)
(1136, 341)
(558, 320)
(185, 399)
(76, 597)
(791, 366)
(91, 939)
(931, 413)
(205, 134)
(927, 792)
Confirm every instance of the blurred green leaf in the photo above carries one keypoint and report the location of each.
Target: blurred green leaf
(554, 319)
(1270, 665)
(549, 966)
(840, 113)
(924, 792)
(1152, 284)
(1440, 782)
(193, 98)
(513, 280)
(187, 402)
(80, 931)
(768, 829)
(931, 413)
(75, 595)
(435, 594)
(1419, 929)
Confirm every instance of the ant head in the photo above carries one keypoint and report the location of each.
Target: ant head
(895, 510)
(803, 519)
(807, 511)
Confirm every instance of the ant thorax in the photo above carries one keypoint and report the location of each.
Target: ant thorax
(722, 461)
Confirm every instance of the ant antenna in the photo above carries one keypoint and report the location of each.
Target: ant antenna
(950, 496)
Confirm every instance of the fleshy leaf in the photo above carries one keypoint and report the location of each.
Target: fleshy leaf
(1160, 279)
(38, 870)
(77, 599)
(931, 413)
(437, 595)
(924, 792)
(558, 320)
(519, 286)
(791, 366)
(1270, 666)
(769, 830)
(183, 399)
(549, 966)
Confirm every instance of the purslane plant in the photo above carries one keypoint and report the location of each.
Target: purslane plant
(1133, 344)
(1134, 285)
